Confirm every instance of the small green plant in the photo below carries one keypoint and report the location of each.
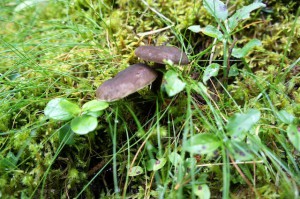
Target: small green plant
(292, 130)
(228, 26)
(155, 164)
(172, 83)
(83, 120)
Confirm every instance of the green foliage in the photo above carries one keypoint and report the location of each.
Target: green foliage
(242, 52)
(285, 117)
(240, 124)
(84, 124)
(175, 158)
(233, 71)
(9, 162)
(293, 134)
(210, 71)
(172, 84)
(240, 151)
(203, 143)
(219, 11)
(242, 14)
(209, 30)
(62, 109)
(202, 191)
(94, 106)
(216, 8)
(66, 135)
(155, 164)
(136, 170)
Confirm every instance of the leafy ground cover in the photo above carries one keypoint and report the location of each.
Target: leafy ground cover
(226, 125)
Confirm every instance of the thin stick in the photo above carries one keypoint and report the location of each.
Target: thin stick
(96, 168)
(213, 49)
(220, 164)
(142, 34)
(244, 177)
(254, 175)
(136, 155)
(151, 181)
(228, 59)
(156, 12)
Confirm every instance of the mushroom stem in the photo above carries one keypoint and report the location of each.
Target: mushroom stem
(159, 68)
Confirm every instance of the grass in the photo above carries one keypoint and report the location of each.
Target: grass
(68, 48)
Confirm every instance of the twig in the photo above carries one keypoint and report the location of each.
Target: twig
(136, 155)
(96, 168)
(213, 50)
(229, 55)
(151, 181)
(142, 34)
(158, 13)
(220, 164)
(244, 177)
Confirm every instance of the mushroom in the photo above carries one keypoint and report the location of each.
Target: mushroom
(126, 82)
(159, 54)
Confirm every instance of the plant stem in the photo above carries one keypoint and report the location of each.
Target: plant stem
(225, 61)
(226, 173)
(115, 175)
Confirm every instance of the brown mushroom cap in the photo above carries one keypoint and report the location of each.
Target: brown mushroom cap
(159, 54)
(126, 82)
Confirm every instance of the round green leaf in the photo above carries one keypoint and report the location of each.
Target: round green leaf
(155, 164)
(285, 117)
(242, 52)
(84, 124)
(195, 28)
(216, 8)
(95, 105)
(66, 135)
(202, 143)
(240, 123)
(94, 114)
(233, 71)
(9, 162)
(134, 171)
(243, 13)
(293, 133)
(172, 83)
(240, 151)
(212, 32)
(202, 191)
(190, 163)
(61, 109)
(175, 158)
(150, 164)
(211, 71)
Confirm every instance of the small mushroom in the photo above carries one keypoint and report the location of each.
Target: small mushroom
(159, 54)
(126, 82)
